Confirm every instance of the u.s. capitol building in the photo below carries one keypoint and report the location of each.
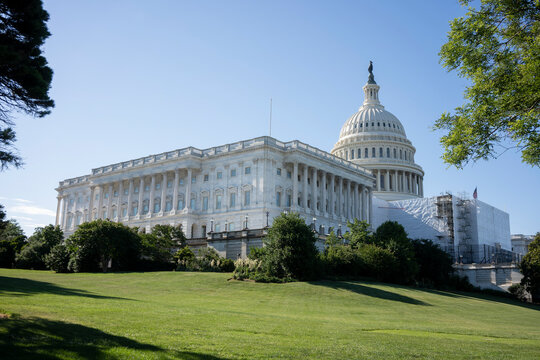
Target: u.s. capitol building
(221, 195)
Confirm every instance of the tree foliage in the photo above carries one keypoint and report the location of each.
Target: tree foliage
(158, 245)
(359, 233)
(290, 251)
(434, 264)
(25, 77)
(12, 239)
(32, 255)
(530, 268)
(96, 244)
(496, 47)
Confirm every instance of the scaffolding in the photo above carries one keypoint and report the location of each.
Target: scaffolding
(445, 213)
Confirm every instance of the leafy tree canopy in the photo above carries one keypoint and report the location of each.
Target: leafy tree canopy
(12, 239)
(496, 47)
(530, 268)
(25, 77)
(32, 255)
(359, 233)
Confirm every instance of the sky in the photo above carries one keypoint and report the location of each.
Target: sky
(134, 78)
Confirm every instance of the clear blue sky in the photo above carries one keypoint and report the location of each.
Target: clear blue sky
(133, 78)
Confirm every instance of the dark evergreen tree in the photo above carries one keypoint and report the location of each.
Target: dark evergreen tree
(25, 78)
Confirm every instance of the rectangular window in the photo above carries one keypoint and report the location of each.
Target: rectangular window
(380, 152)
(192, 204)
(97, 197)
(194, 180)
(219, 175)
(359, 153)
(352, 154)
(217, 228)
(106, 196)
(233, 172)
(247, 170)
(278, 171)
(157, 206)
(387, 152)
(247, 197)
(181, 181)
(366, 154)
(206, 177)
(289, 175)
(289, 199)
(126, 191)
(114, 213)
(373, 152)
(205, 203)
(278, 199)
(168, 205)
(218, 202)
(134, 210)
(158, 186)
(145, 208)
(124, 212)
(169, 184)
(180, 204)
(146, 187)
(115, 194)
(104, 214)
(232, 202)
(136, 190)
(231, 226)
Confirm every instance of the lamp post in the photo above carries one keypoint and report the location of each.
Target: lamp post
(314, 224)
(226, 223)
(267, 214)
(212, 225)
(246, 222)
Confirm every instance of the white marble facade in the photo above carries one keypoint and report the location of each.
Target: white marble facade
(220, 189)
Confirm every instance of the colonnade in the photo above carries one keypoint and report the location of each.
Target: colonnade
(327, 194)
(398, 181)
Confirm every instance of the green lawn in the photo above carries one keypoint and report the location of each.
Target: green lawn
(169, 315)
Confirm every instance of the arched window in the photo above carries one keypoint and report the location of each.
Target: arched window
(400, 154)
(395, 154)
(380, 152)
(352, 154)
(359, 152)
(387, 152)
(366, 153)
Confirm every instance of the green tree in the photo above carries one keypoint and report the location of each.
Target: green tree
(359, 233)
(32, 255)
(58, 258)
(530, 268)
(290, 251)
(496, 47)
(12, 239)
(434, 264)
(25, 77)
(391, 236)
(332, 240)
(159, 244)
(97, 243)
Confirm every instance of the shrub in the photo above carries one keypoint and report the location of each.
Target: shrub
(380, 263)
(96, 244)
(530, 268)
(12, 240)
(434, 264)
(246, 268)
(343, 260)
(227, 265)
(256, 252)
(290, 251)
(58, 259)
(32, 255)
(518, 291)
(207, 259)
(358, 233)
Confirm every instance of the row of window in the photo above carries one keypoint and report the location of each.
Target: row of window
(403, 155)
(390, 125)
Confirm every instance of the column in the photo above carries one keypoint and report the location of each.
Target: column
(356, 208)
(152, 194)
(130, 198)
(141, 190)
(409, 182)
(363, 200)
(163, 193)
(387, 180)
(64, 212)
(314, 190)
(109, 203)
(295, 186)
(332, 194)
(378, 179)
(323, 192)
(58, 210)
(175, 191)
(188, 191)
(340, 198)
(100, 202)
(421, 183)
(394, 181)
(91, 202)
(119, 203)
(348, 212)
(370, 206)
(305, 189)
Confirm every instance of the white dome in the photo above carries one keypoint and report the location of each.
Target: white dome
(372, 119)
(376, 140)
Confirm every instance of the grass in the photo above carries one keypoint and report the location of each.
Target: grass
(174, 315)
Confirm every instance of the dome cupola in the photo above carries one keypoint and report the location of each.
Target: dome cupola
(375, 139)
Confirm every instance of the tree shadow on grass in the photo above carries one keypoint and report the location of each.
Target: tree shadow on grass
(369, 291)
(36, 338)
(24, 287)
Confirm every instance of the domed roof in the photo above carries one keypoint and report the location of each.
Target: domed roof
(372, 118)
